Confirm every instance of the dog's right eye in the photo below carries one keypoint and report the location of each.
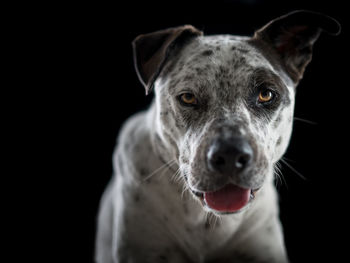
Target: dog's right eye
(188, 99)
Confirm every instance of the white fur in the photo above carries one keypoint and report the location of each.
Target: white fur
(152, 217)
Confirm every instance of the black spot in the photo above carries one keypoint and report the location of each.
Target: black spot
(207, 225)
(207, 67)
(239, 61)
(269, 229)
(143, 171)
(173, 75)
(218, 48)
(184, 160)
(188, 78)
(277, 121)
(148, 181)
(279, 141)
(239, 49)
(163, 258)
(207, 52)
(137, 197)
(199, 71)
(174, 82)
(223, 70)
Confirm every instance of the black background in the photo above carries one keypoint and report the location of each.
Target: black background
(87, 87)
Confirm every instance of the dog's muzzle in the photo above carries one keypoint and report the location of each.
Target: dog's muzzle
(228, 158)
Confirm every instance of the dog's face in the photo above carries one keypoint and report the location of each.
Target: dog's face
(223, 91)
(225, 104)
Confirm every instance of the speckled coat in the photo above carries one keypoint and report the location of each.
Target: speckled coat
(151, 210)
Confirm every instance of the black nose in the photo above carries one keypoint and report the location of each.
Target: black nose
(229, 156)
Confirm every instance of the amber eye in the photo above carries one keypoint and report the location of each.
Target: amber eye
(188, 99)
(265, 95)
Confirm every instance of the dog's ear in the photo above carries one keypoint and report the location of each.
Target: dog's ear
(292, 36)
(151, 51)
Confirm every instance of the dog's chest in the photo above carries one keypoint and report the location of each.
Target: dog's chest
(196, 232)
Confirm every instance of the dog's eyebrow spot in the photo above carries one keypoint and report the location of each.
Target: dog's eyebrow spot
(263, 75)
(207, 52)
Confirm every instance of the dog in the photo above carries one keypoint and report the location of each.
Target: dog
(194, 174)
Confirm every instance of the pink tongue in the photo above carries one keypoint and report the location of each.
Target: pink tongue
(231, 198)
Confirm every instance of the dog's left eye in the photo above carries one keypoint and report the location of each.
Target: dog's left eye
(265, 95)
(188, 99)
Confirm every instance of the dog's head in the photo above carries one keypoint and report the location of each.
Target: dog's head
(225, 103)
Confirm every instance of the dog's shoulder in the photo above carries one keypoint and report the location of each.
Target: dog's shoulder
(134, 130)
(133, 147)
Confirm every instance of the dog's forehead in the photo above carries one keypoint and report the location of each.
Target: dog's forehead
(220, 61)
(225, 50)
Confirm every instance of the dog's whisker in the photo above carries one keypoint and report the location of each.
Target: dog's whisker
(184, 190)
(293, 169)
(210, 219)
(276, 171)
(279, 175)
(289, 160)
(175, 176)
(165, 165)
(216, 218)
(305, 121)
(178, 178)
(206, 218)
(214, 223)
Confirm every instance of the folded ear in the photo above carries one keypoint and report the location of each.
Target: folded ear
(292, 36)
(152, 50)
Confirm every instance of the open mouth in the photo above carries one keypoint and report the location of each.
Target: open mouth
(229, 199)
